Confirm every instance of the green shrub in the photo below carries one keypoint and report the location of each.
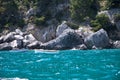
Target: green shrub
(39, 21)
(101, 21)
(96, 25)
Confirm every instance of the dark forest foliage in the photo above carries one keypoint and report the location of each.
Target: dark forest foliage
(12, 12)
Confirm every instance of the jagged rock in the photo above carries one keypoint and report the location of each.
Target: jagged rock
(16, 44)
(118, 25)
(18, 37)
(61, 28)
(28, 39)
(34, 45)
(5, 46)
(84, 31)
(25, 43)
(1, 39)
(9, 37)
(19, 32)
(81, 47)
(116, 44)
(99, 39)
(67, 40)
(94, 47)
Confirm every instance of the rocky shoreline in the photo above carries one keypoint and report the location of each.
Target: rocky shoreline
(66, 38)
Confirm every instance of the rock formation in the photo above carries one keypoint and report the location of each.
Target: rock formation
(99, 39)
(67, 40)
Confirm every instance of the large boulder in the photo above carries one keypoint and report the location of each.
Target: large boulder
(98, 39)
(16, 44)
(116, 44)
(5, 46)
(9, 37)
(67, 40)
(61, 28)
(34, 45)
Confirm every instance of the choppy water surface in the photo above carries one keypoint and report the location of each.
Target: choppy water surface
(60, 65)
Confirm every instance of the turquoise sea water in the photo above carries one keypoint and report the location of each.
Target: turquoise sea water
(60, 65)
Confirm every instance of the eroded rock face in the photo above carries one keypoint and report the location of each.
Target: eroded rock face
(44, 34)
(116, 44)
(118, 25)
(5, 46)
(98, 39)
(67, 40)
(61, 28)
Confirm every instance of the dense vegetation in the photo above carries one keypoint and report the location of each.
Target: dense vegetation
(83, 9)
(13, 12)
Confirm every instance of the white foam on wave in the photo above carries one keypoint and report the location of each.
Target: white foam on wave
(47, 59)
(13, 78)
(29, 62)
(46, 51)
(20, 50)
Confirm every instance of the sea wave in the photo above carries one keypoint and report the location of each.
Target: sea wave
(13, 78)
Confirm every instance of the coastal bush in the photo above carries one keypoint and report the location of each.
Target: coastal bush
(39, 21)
(101, 21)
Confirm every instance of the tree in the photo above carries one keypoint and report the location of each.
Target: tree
(8, 13)
(82, 9)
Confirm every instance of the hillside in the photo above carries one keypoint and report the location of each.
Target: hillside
(46, 20)
(40, 12)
